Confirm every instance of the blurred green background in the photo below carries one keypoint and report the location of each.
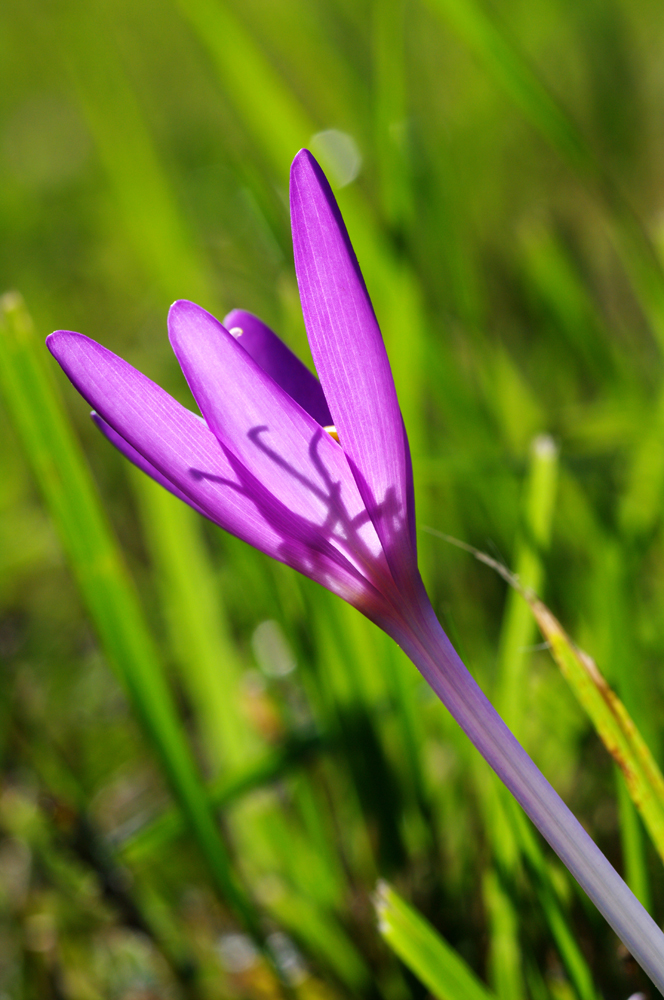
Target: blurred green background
(499, 167)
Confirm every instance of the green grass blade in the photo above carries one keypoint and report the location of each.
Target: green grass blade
(518, 627)
(504, 959)
(566, 943)
(227, 789)
(207, 661)
(515, 846)
(141, 188)
(390, 111)
(492, 43)
(260, 96)
(508, 66)
(632, 845)
(322, 935)
(640, 507)
(105, 585)
(617, 648)
(555, 281)
(424, 951)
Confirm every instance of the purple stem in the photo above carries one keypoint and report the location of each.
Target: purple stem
(436, 659)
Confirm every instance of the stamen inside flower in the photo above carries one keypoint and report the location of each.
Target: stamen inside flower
(332, 431)
(236, 331)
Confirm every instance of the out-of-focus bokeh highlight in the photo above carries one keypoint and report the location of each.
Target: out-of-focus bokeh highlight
(499, 167)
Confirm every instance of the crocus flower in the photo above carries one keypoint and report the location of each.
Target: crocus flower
(318, 475)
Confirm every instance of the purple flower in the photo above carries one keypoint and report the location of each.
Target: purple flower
(318, 475)
(264, 463)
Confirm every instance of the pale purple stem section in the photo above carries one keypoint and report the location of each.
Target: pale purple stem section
(436, 659)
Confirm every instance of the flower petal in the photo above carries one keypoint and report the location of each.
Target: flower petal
(351, 361)
(142, 463)
(344, 581)
(276, 442)
(171, 439)
(275, 358)
(179, 445)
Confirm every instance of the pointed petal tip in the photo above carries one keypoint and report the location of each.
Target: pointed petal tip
(302, 156)
(314, 211)
(185, 307)
(305, 164)
(54, 337)
(180, 306)
(58, 341)
(307, 175)
(186, 318)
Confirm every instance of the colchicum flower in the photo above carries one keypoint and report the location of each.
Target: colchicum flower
(318, 476)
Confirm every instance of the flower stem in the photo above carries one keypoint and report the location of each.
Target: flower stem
(434, 656)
